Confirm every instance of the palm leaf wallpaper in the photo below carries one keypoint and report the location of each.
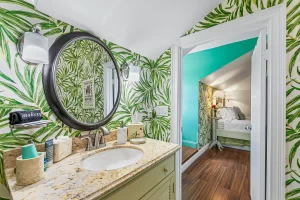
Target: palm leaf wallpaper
(81, 61)
(21, 84)
(205, 101)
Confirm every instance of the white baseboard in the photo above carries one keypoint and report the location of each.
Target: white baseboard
(190, 144)
(193, 158)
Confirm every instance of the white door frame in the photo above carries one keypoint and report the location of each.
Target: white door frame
(274, 21)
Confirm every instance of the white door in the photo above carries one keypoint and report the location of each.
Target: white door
(258, 120)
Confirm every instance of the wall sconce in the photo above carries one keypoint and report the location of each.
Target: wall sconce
(33, 47)
(218, 97)
(130, 72)
(228, 97)
(218, 94)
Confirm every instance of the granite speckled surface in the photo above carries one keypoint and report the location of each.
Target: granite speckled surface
(67, 180)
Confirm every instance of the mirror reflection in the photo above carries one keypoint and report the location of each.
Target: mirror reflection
(86, 81)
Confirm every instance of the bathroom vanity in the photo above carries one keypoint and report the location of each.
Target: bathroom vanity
(156, 183)
(151, 177)
(105, 170)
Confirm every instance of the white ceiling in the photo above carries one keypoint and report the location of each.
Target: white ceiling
(233, 76)
(145, 27)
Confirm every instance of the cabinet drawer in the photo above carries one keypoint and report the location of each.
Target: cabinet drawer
(142, 184)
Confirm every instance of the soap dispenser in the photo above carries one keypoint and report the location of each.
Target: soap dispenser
(122, 134)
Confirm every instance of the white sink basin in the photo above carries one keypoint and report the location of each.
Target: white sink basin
(112, 159)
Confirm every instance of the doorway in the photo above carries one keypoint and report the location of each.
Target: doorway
(272, 20)
(226, 92)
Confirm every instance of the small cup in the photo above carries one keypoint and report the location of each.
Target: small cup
(29, 152)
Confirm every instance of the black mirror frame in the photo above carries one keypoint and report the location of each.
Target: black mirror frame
(49, 82)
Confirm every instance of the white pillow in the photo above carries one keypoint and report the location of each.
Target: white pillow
(220, 113)
(232, 114)
(227, 114)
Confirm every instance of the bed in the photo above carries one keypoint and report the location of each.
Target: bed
(230, 130)
(233, 129)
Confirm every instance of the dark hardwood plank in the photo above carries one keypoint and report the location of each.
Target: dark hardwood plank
(187, 180)
(218, 158)
(246, 187)
(218, 175)
(191, 193)
(205, 157)
(237, 185)
(207, 172)
(226, 180)
(226, 155)
(221, 194)
(211, 185)
(187, 153)
(247, 197)
(233, 160)
(200, 169)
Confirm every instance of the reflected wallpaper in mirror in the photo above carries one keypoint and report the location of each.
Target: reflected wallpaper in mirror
(83, 71)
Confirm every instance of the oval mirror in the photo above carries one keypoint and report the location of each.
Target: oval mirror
(82, 81)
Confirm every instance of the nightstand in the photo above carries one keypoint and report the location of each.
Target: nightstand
(214, 134)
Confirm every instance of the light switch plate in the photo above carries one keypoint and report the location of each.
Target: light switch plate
(161, 111)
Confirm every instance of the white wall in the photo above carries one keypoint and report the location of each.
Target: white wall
(240, 95)
(241, 99)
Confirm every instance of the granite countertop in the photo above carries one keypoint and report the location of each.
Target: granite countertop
(67, 180)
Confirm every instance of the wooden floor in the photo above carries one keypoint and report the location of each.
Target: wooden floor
(187, 153)
(219, 176)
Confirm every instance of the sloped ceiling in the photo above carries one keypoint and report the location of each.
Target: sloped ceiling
(233, 76)
(145, 27)
(199, 65)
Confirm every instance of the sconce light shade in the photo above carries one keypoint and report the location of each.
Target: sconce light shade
(35, 48)
(218, 94)
(134, 73)
(130, 72)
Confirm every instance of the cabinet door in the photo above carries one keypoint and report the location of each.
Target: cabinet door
(163, 191)
(141, 185)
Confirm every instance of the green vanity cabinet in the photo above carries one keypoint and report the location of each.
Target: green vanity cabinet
(156, 183)
(165, 190)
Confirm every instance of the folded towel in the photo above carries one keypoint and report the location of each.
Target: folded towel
(20, 117)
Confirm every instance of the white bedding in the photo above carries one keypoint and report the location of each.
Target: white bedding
(227, 114)
(234, 125)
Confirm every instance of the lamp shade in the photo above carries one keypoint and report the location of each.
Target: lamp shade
(35, 48)
(218, 94)
(134, 73)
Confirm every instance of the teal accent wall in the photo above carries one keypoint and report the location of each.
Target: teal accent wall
(196, 66)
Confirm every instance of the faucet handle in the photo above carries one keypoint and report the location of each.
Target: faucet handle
(104, 130)
(102, 139)
(90, 145)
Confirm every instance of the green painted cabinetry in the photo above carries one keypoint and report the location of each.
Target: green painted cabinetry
(165, 190)
(156, 183)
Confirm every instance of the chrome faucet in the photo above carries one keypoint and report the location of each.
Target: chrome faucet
(97, 144)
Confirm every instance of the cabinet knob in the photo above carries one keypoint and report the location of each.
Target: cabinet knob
(166, 169)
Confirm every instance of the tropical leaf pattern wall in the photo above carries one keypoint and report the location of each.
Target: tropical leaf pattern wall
(21, 84)
(21, 88)
(205, 102)
(232, 9)
(82, 61)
